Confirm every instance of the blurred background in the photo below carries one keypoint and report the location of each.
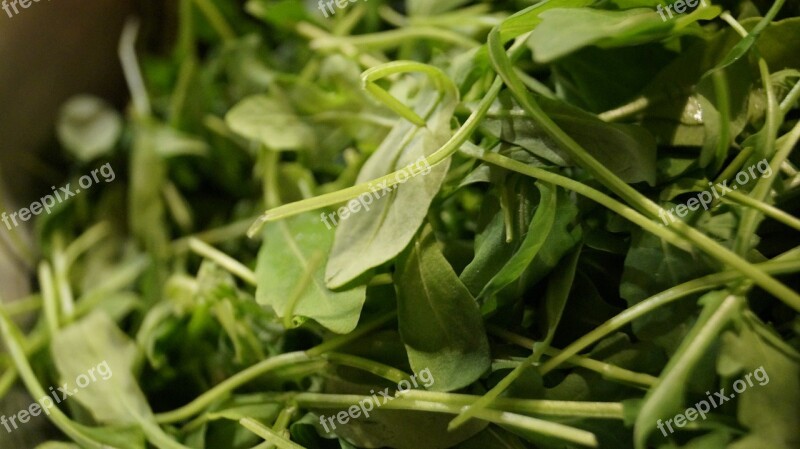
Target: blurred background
(48, 52)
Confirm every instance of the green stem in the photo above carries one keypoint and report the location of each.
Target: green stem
(723, 140)
(749, 220)
(61, 280)
(49, 299)
(765, 208)
(341, 340)
(475, 409)
(89, 239)
(608, 370)
(224, 388)
(444, 84)
(305, 280)
(268, 434)
(417, 400)
(735, 165)
(540, 426)
(312, 32)
(216, 19)
(379, 369)
(22, 306)
(225, 233)
(131, 70)
(223, 260)
(791, 98)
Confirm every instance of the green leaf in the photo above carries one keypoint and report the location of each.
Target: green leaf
(528, 19)
(555, 300)
(95, 348)
(380, 230)
(88, 127)
(270, 122)
(283, 263)
(650, 267)
(565, 30)
(439, 320)
(280, 14)
(535, 250)
(95, 341)
(768, 408)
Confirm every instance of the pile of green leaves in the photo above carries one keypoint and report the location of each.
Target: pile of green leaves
(529, 271)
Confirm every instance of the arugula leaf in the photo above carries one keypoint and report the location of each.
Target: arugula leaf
(439, 320)
(372, 237)
(269, 122)
(285, 261)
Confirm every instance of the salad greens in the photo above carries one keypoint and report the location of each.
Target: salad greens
(525, 264)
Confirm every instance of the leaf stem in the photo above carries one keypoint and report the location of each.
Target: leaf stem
(379, 369)
(418, 400)
(608, 370)
(225, 261)
(268, 434)
(224, 388)
(216, 19)
(765, 208)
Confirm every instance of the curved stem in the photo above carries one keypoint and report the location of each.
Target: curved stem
(224, 388)
(749, 220)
